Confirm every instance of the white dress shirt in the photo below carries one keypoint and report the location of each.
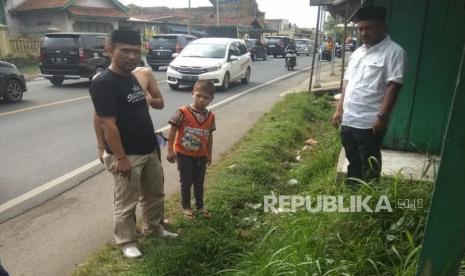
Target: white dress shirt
(369, 71)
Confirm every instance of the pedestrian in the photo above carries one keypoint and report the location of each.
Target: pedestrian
(190, 143)
(130, 142)
(153, 97)
(372, 82)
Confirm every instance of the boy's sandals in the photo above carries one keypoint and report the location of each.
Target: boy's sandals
(188, 213)
(204, 212)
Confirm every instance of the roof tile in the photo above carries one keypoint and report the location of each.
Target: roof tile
(97, 12)
(41, 4)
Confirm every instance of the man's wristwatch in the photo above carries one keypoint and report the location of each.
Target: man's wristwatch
(382, 116)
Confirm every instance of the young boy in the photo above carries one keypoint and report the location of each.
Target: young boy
(190, 144)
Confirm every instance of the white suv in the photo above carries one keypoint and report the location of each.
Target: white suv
(221, 60)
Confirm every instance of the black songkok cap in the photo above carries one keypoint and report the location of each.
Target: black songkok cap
(126, 36)
(366, 13)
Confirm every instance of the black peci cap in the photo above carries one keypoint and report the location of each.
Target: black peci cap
(366, 13)
(126, 36)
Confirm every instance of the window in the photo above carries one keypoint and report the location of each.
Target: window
(63, 42)
(204, 50)
(234, 49)
(163, 41)
(94, 42)
(82, 26)
(242, 48)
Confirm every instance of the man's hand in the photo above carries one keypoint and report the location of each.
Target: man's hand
(123, 167)
(379, 125)
(337, 118)
(171, 156)
(209, 159)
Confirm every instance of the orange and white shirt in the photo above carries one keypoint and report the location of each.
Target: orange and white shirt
(194, 130)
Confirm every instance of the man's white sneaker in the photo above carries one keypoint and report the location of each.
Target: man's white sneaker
(131, 251)
(166, 234)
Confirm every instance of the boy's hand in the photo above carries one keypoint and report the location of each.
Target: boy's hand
(171, 156)
(100, 154)
(209, 160)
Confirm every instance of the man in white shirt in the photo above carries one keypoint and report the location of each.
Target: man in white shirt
(372, 82)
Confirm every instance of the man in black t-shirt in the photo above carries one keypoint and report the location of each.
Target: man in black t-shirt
(121, 108)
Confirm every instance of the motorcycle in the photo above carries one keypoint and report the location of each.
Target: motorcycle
(291, 59)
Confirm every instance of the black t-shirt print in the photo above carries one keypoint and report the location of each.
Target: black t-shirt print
(118, 96)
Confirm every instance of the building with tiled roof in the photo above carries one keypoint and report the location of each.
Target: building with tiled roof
(237, 18)
(35, 17)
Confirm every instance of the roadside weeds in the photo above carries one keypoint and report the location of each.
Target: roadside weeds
(241, 239)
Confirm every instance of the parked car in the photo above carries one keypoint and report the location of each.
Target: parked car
(276, 45)
(303, 46)
(220, 60)
(72, 56)
(351, 44)
(12, 83)
(162, 47)
(256, 48)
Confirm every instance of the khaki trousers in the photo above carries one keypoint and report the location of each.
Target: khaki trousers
(143, 185)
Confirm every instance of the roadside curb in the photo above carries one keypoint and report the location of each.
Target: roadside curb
(32, 77)
(47, 191)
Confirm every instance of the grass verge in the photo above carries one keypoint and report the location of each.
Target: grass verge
(242, 239)
(30, 69)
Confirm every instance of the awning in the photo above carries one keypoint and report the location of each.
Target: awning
(339, 7)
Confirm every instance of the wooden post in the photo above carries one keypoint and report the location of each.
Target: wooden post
(4, 41)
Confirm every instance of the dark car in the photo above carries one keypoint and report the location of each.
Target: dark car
(72, 56)
(162, 47)
(276, 44)
(12, 83)
(256, 48)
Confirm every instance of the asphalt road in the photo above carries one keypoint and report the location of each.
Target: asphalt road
(50, 132)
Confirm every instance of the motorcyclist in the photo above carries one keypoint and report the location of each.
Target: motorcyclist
(290, 48)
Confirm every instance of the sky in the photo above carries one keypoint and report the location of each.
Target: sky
(296, 11)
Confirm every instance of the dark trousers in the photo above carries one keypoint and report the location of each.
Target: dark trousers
(363, 150)
(3, 271)
(191, 171)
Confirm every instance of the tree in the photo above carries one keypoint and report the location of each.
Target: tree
(332, 29)
(134, 9)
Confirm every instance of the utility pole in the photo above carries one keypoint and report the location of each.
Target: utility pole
(333, 49)
(217, 13)
(315, 49)
(318, 67)
(189, 24)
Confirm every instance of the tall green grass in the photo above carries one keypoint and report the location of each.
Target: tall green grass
(240, 239)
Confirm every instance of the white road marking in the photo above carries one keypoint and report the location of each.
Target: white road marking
(49, 104)
(42, 105)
